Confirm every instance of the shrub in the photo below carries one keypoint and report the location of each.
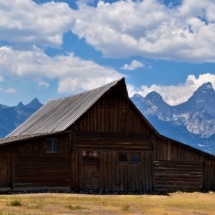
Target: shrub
(125, 208)
(77, 207)
(15, 203)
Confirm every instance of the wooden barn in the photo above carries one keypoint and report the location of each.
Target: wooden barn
(99, 141)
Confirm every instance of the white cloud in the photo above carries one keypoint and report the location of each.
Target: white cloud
(44, 84)
(23, 22)
(174, 95)
(133, 65)
(131, 89)
(150, 29)
(120, 29)
(74, 74)
(10, 90)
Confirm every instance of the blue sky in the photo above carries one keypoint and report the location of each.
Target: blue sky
(51, 49)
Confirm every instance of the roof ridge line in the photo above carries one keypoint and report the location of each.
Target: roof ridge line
(86, 91)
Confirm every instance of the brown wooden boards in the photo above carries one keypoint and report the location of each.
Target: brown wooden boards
(113, 113)
(209, 176)
(49, 170)
(176, 175)
(110, 141)
(5, 170)
(91, 172)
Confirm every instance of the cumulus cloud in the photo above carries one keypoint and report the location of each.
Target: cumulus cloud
(73, 73)
(26, 23)
(150, 29)
(174, 95)
(133, 65)
(131, 89)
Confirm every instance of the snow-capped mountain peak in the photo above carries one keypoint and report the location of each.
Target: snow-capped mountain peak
(194, 118)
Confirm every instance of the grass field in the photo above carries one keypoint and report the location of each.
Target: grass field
(51, 204)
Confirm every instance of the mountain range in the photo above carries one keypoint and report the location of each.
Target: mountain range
(191, 122)
(12, 117)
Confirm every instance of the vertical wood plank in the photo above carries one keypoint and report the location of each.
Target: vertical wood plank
(12, 171)
(101, 172)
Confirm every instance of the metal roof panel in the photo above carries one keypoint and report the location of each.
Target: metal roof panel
(58, 114)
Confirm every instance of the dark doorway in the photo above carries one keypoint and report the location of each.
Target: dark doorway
(91, 167)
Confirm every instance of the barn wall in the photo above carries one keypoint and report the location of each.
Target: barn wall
(179, 167)
(41, 171)
(105, 141)
(167, 149)
(102, 171)
(5, 170)
(27, 165)
(178, 175)
(209, 175)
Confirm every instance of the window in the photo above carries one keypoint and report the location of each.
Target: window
(129, 158)
(90, 153)
(134, 158)
(122, 158)
(52, 145)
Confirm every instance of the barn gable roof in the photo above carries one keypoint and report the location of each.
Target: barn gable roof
(59, 114)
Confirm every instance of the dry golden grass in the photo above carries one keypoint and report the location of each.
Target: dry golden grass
(63, 204)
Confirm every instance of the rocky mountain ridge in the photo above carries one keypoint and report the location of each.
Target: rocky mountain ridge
(191, 122)
(12, 117)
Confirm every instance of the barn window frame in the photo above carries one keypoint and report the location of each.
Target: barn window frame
(90, 154)
(128, 157)
(51, 145)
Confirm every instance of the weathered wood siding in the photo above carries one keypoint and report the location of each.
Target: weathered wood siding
(113, 114)
(129, 177)
(27, 165)
(105, 141)
(41, 171)
(165, 149)
(209, 175)
(180, 167)
(5, 170)
(178, 175)
(103, 172)
(76, 170)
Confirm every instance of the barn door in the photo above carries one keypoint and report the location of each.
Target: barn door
(91, 167)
